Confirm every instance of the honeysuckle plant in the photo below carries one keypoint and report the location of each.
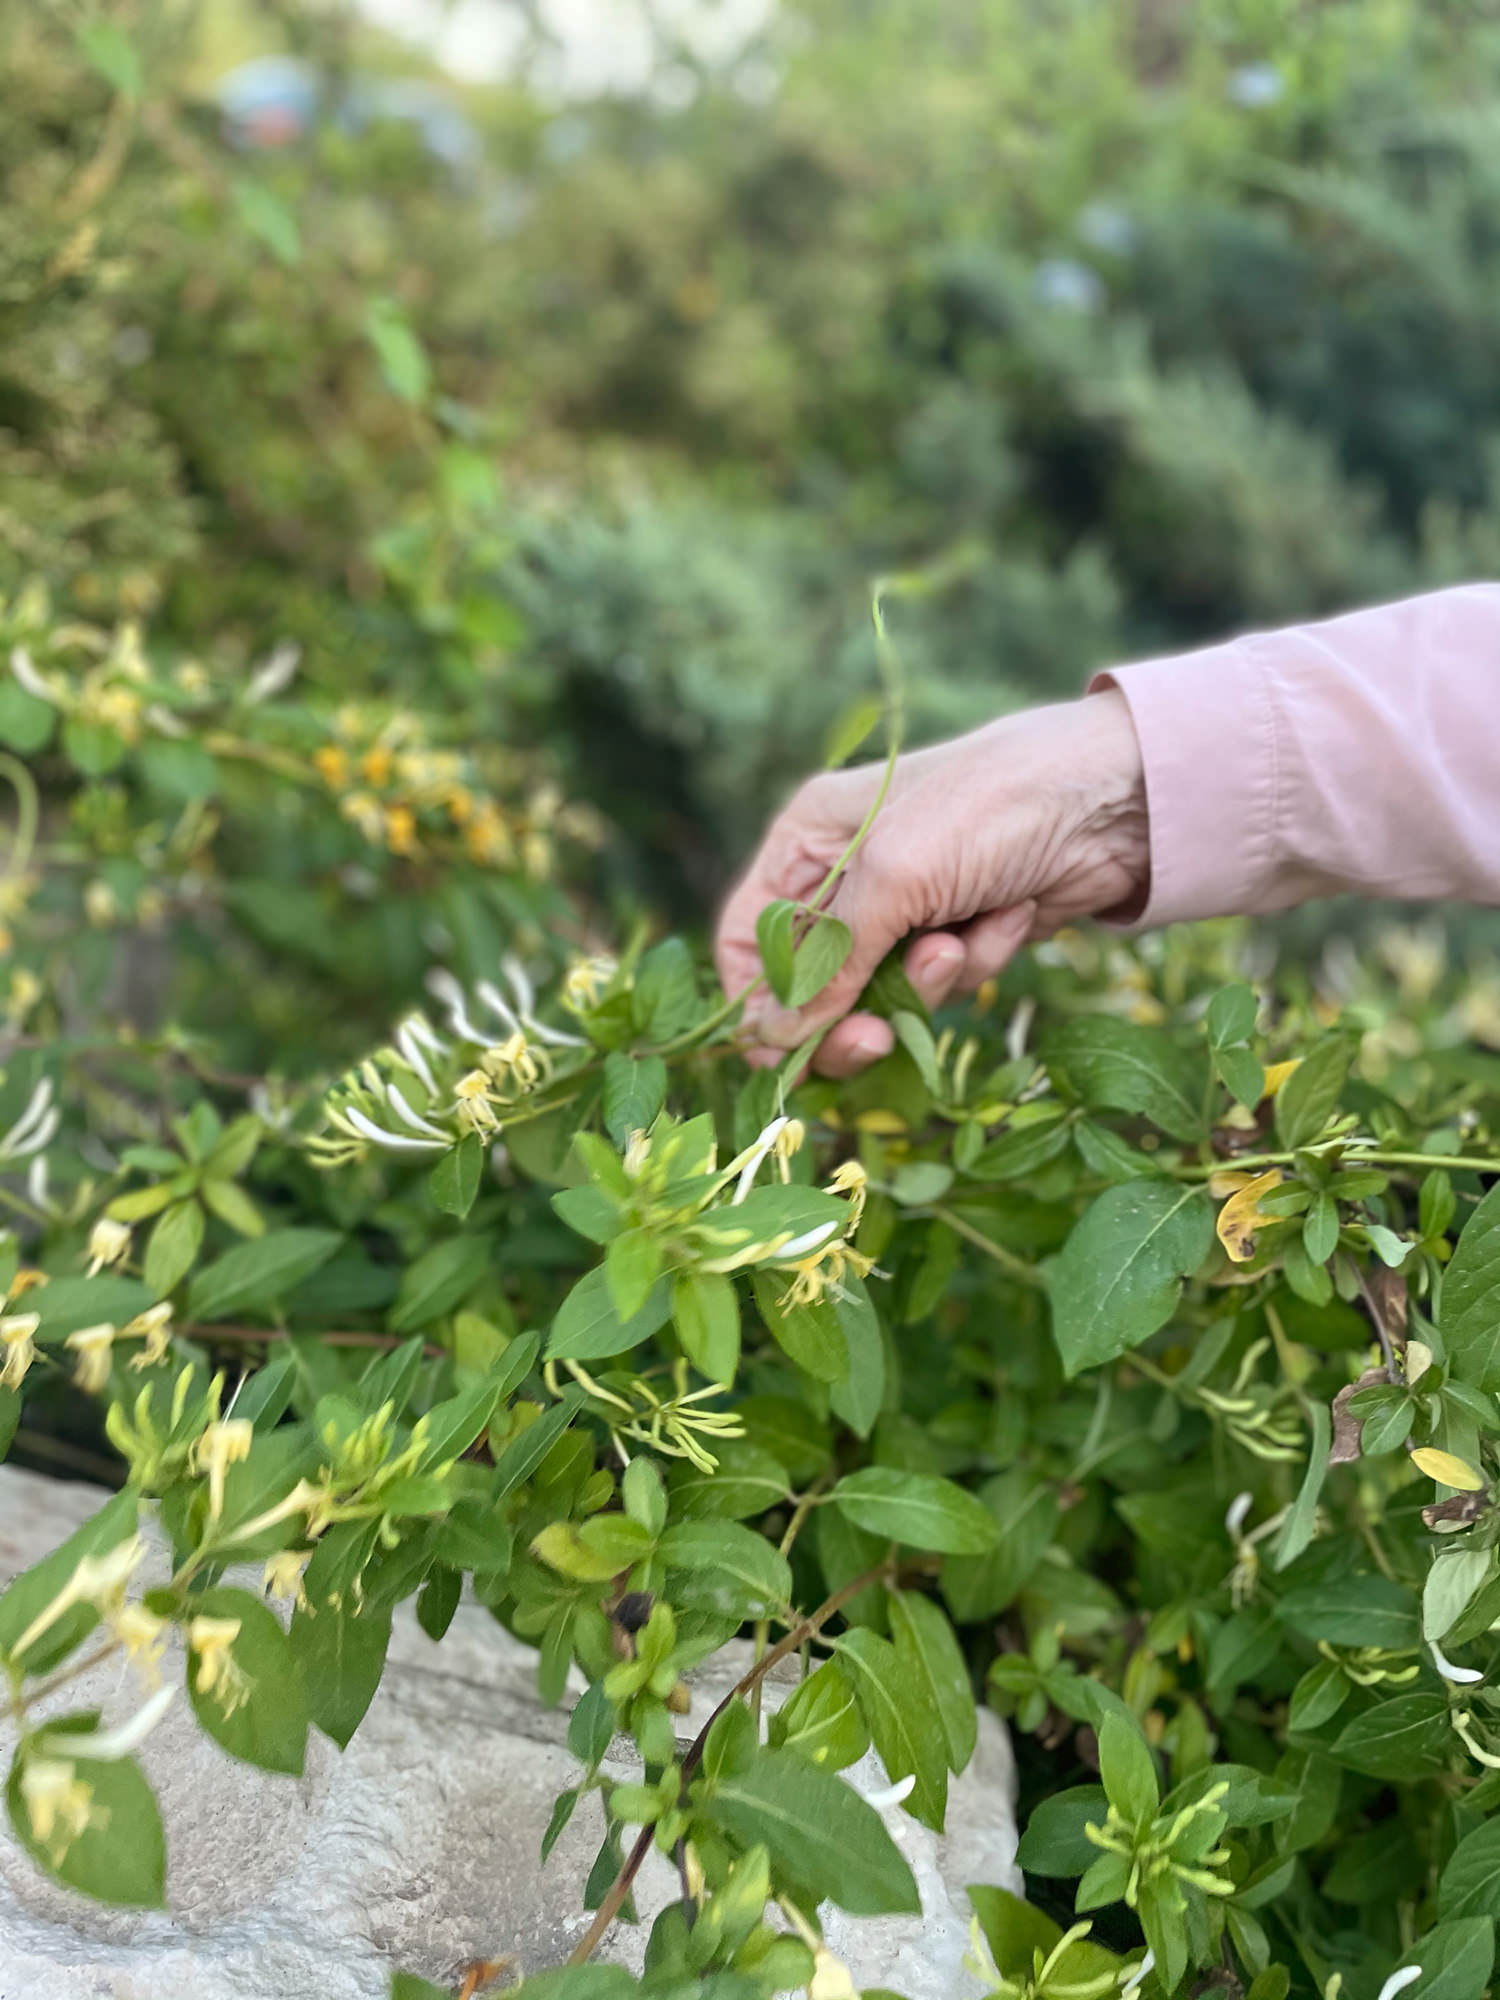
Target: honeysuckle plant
(1117, 1354)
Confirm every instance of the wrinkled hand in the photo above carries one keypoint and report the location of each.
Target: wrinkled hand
(982, 844)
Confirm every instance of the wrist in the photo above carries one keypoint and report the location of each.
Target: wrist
(1113, 818)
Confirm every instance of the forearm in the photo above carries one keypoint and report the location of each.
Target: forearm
(1357, 756)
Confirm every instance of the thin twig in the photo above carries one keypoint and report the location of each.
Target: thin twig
(619, 1889)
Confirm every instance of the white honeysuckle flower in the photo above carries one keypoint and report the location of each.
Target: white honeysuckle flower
(1463, 1676)
(1239, 1507)
(525, 994)
(409, 1117)
(164, 722)
(893, 1795)
(106, 1746)
(277, 673)
(1018, 1028)
(93, 1345)
(393, 1141)
(17, 1347)
(495, 1000)
(753, 1157)
(109, 1243)
(25, 670)
(444, 987)
(803, 1246)
(410, 1048)
(37, 1177)
(35, 1126)
(1135, 1976)
(1399, 1981)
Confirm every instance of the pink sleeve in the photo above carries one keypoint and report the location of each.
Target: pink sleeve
(1358, 756)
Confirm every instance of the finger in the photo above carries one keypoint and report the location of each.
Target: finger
(990, 943)
(853, 1044)
(934, 965)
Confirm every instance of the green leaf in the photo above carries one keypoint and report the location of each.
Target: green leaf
(185, 773)
(591, 1727)
(267, 218)
(1354, 1611)
(34, 1589)
(1054, 1842)
(106, 47)
(1128, 1770)
(1320, 1229)
(26, 721)
(450, 1427)
(643, 1495)
(914, 1035)
(903, 1720)
(120, 1857)
(664, 1001)
(254, 1276)
(819, 1832)
(1231, 1016)
(1470, 1883)
(1309, 1097)
(90, 748)
(66, 1304)
(341, 1657)
(747, 1480)
(1456, 1959)
(820, 958)
(635, 1088)
(1469, 1312)
(587, 1327)
(1243, 1076)
(439, 1281)
(775, 939)
(256, 1711)
(729, 1567)
(1013, 1930)
(917, 1509)
(402, 357)
(1119, 1275)
(1115, 1065)
(173, 1246)
(1025, 1512)
(822, 1719)
(526, 1450)
(1403, 1738)
(706, 1314)
(229, 1201)
(1318, 1697)
(926, 1640)
(10, 1416)
(812, 1336)
(850, 730)
(454, 1181)
(1297, 1530)
(859, 1398)
(632, 1265)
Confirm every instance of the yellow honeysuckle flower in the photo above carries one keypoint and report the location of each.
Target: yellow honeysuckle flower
(830, 1980)
(825, 1271)
(401, 830)
(223, 1444)
(283, 1575)
(375, 765)
(144, 1637)
(18, 1345)
(331, 762)
(59, 1805)
(1241, 1216)
(584, 980)
(92, 1345)
(475, 1105)
(215, 1672)
(27, 1279)
(109, 1243)
(154, 1326)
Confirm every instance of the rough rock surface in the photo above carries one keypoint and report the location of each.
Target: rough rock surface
(418, 1846)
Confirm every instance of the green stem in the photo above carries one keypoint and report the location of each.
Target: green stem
(1259, 1162)
(800, 1633)
(1017, 1267)
(28, 812)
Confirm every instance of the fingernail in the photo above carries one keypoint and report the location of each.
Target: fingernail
(935, 981)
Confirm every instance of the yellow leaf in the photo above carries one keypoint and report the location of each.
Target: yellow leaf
(884, 1123)
(1418, 1360)
(1227, 1181)
(1447, 1470)
(1241, 1217)
(1277, 1075)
